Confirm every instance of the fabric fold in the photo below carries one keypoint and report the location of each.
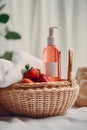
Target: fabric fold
(11, 71)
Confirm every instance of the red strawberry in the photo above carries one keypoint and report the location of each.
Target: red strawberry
(31, 73)
(43, 78)
(26, 80)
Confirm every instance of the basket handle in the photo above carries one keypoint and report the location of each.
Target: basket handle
(70, 64)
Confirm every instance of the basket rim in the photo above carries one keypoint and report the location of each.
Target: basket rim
(60, 85)
(54, 89)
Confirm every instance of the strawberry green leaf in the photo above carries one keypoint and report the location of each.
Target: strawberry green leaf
(27, 67)
(31, 68)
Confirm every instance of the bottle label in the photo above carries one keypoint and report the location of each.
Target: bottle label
(51, 68)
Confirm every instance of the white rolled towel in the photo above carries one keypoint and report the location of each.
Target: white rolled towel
(15, 67)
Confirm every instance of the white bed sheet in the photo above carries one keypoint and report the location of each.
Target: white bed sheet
(74, 119)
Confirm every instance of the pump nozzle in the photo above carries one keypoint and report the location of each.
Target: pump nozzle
(51, 38)
(51, 31)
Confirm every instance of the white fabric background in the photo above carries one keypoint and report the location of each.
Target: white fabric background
(32, 18)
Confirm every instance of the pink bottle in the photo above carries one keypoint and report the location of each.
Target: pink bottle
(51, 58)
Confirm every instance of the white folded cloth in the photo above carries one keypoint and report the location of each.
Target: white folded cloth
(11, 71)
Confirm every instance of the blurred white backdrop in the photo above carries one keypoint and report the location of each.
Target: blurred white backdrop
(32, 18)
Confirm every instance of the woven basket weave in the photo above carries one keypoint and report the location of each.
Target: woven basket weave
(41, 99)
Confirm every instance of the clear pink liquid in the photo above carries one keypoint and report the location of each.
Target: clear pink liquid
(52, 54)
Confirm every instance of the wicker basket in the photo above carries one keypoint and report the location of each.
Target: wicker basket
(40, 99)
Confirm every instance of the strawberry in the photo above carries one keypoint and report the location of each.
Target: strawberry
(43, 78)
(26, 80)
(32, 73)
